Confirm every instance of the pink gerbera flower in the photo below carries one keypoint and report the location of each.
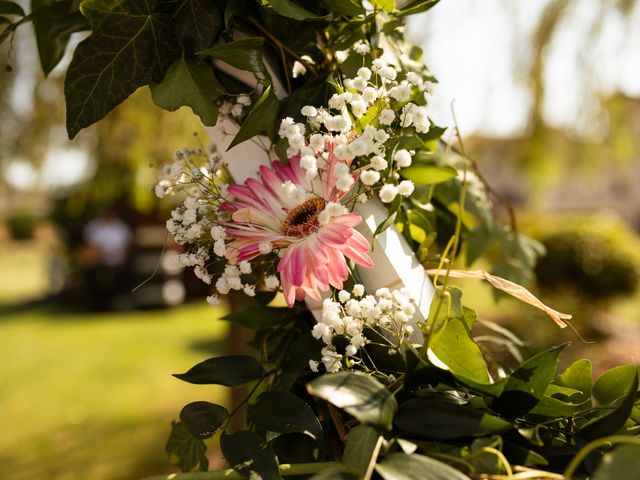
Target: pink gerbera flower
(283, 210)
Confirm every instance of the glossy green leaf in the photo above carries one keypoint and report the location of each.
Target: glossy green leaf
(361, 449)
(203, 419)
(347, 8)
(623, 462)
(578, 375)
(245, 54)
(126, 50)
(188, 83)
(288, 8)
(438, 419)
(614, 383)
(284, 412)
(245, 454)
(417, 6)
(361, 396)
(454, 347)
(197, 23)
(11, 8)
(527, 383)
(53, 24)
(185, 450)
(261, 118)
(426, 174)
(234, 8)
(391, 218)
(612, 416)
(258, 316)
(385, 5)
(230, 371)
(335, 473)
(400, 466)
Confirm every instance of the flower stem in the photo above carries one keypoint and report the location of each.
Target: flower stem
(230, 474)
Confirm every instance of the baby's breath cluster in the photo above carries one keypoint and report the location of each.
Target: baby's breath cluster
(198, 223)
(388, 312)
(363, 125)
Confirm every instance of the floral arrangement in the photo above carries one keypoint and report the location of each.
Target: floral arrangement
(352, 381)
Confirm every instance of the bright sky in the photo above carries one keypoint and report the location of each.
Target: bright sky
(479, 51)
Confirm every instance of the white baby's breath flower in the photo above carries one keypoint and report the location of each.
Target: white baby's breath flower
(345, 182)
(343, 296)
(358, 290)
(364, 72)
(379, 163)
(388, 73)
(369, 94)
(218, 232)
(298, 69)
(271, 282)
(213, 300)
(341, 56)
(244, 100)
(249, 290)
(245, 267)
(405, 188)
(265, 248)
(361, 48)
(359, 107)
(369, 177)
(402, 158)
(309, 111)
(313, 365)
(388, 192)
(387, 116)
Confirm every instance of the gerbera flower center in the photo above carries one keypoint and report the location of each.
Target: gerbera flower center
(304, 218)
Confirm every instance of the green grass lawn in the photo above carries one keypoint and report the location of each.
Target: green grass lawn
(91, 396)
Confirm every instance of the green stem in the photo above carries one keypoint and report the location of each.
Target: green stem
(600, 442)
(230, 474)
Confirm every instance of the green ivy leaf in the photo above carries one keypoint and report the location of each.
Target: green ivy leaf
(53, 24)
(197, 23)
(438, 419)
(188, 83)
(287, 8)
(527, 383)
(400, 466)
(127, 49)
(203, 419)
(11, 8)
(185, 450)
(230, 371)
(284, 412)
(363, 397)
(361, 449)
(243, 452)
(261, 118)
(245, 54)
(416, 6)
(235, 8)
(621, 462)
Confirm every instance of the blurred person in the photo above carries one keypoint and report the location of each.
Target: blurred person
(104, 258)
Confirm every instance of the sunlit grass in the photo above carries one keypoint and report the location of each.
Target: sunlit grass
(90, 396)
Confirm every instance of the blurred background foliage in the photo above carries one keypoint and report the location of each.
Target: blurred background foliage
(548, 99)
